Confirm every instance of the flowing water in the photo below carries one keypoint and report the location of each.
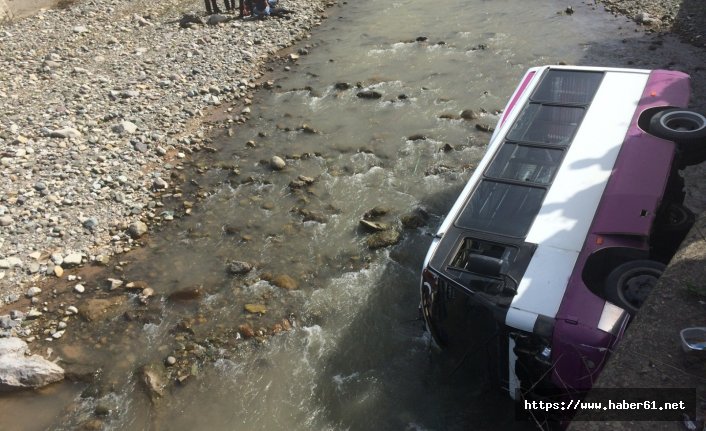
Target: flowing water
(356, 357)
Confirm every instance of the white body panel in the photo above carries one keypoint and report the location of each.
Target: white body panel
(567, 212)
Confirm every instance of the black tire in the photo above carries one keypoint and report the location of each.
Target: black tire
(676, 219)
(629, 284)
(692, 154)
(679, 125)
(671, 227)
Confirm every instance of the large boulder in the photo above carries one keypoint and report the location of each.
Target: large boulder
(19, 371)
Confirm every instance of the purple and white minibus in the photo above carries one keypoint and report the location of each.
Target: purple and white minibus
(565, 225)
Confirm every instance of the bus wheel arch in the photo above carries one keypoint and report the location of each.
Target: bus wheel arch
(629, 284)
(601, 262)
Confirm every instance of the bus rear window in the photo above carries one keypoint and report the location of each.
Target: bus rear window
(546, 124)
(501, 208)
(568, 87)
(524, 163)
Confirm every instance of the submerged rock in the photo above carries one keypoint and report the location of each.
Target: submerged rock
(238, 267)
(18, 371)
(255, 308)
(277, 163)
(384, 238)
(153, 380)
(285, 282)
(369, 94)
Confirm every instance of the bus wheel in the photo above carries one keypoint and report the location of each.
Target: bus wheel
(676, 219)
(629, 284)
(678, 125)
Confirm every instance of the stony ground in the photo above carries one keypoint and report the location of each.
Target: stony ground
(684, 17)
(98, 103)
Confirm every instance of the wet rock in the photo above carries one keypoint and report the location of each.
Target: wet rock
(376, 212)
(382, 239)
(79, 288)
(469, 114)
(170, 361)
(246, 330)
(137, 285)
(153, 380)
(238, 267)
(137, 229)
(342, 86)
(255, 308)
(306, 180)
(277, 163)
(369, 94)
(416, 218)
(93, 425)
(308, 129)
(449, 116)
(188, 294)
(417, 137)
(373, 226)
(308, 215)
(102, 410)
(285, 282)
(19, 371)
(114, 283)
(485, 128)
(569, 10)
(97, 309)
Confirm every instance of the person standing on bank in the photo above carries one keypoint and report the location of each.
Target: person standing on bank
(212, 7)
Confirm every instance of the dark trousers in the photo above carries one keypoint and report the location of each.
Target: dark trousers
(212, 7)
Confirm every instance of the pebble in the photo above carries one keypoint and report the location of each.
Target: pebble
(33, 291)
(5, 220)
(70, 310)
(137, 229)
(79, 288)
(58, 271)
(277, 163)
(58, 334)
(72, 259)
(171, 360)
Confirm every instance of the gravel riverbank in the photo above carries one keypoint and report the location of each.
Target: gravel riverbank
(687, 18)
(98, 103)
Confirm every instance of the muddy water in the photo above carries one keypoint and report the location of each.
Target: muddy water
(356, 356)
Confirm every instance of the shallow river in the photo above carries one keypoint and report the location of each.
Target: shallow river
(356, 357)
